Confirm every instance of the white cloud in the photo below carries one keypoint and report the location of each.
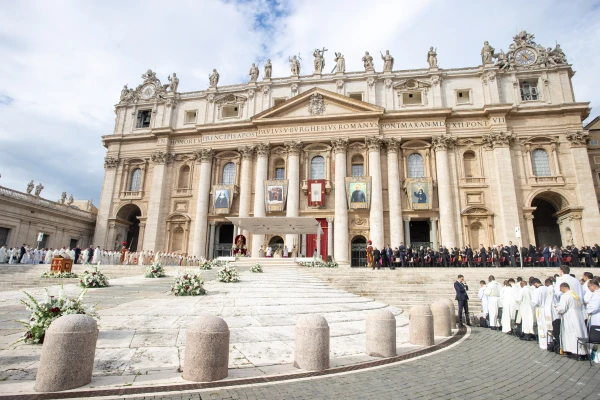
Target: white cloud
(64, 62)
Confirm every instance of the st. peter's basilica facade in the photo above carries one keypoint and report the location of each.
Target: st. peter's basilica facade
(427, 157)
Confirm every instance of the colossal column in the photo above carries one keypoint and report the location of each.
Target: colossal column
(330, 237)
(585, 187)
(205, 158)
(396, 232)
(108, 187)
(154, 225)
(293, 198)
(506, 192)
(340, 228)
(444, 184)
(262, 166)
(376, 210)
(246, 182)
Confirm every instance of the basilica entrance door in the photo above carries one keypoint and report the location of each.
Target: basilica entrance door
(224, 241)
(419, 234)
(311, 240)
(358, 252)
(545, 225)
(129, 214)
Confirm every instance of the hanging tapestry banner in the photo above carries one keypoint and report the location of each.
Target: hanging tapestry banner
(316, 193)
(420, 193)
(358, 192)
(275, 195)
(222, 198)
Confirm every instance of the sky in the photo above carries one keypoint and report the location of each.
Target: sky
(63, 63)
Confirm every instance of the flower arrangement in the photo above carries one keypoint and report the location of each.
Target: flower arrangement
(154, 271)
(256, 268)
(93, 278)
(49, 309)
(59, 275)
(228, 274)
(190, 283)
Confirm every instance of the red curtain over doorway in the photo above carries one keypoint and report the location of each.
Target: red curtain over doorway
(311, 240)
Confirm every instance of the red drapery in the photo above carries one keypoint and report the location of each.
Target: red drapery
(311, 240)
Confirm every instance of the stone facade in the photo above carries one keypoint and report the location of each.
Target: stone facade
(496, 146)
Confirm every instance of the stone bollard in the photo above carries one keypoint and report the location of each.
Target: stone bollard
(420, 328)
(441, 319)
(381, 333)
(453, 316)
(206, 350)
(311, 351)
(68, 351)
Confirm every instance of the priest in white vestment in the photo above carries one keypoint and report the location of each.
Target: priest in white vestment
(573, 283)
(593, 307)
(493, 292)
(3, 253)
(509, 312)
(484, 298)
(572, 324)
(539, 295)
(269, 250)
(524, 300)
(97, 255)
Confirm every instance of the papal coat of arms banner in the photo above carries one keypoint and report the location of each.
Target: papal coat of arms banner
(222, 198)
(275, 195)
(316, 192)
(420, 193)
(358, 192)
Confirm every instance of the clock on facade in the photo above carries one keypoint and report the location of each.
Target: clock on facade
(525, 57)
(147, 92)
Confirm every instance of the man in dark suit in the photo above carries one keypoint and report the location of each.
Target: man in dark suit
(575, 256)
(77, 253)
(469, 254)
(21, 254)
(376, 258)
(512, 251)
(546, 254)
(390, 257)
(463, 299)
(402, 251)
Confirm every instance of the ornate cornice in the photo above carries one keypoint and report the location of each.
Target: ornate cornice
(293, 147)
(246, 151)
(498, 139)
(339, 145)
(443, 142)
(373, 143)
(392, 145)
(262, 149)
(111, 162)
(204, 155)
(579, 138)
(161, 157)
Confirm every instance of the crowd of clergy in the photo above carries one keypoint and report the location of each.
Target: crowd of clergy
(555, 312)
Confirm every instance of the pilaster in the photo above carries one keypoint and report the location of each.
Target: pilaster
(293, 149)
(262, 164)
(340, 234)
(155, 223)
(447, 208)
(106, 196)
(205, 158)
(396, 232)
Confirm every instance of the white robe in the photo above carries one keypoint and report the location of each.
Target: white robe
(524, 300)
(593, 308)
(572, 325)
(269, 251)
(539, 296)
(493, 292)
(484, 300)
(2, 255)
(97, 256)
(510, 308)
(285, 251)
(574, 285)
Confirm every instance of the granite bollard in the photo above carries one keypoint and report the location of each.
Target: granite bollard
(311, 350)
(420, 327)
(67, 358)
(206, 350)
(381, 333)
(441, 319)
(452, 308)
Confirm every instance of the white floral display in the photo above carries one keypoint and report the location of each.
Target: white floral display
(154, 271)
(93, 279)
(256, 268)
(188, 283)
(228, 274)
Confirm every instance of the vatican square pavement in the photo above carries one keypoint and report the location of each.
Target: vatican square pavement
(143, 327)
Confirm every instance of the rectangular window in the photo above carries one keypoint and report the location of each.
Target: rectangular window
(412, 99)
(230, 111)
(356, 96)
(529, 91)
(190, 117)
(143, 118)
(594, 142)
(280, 173)
(596, 160)
(358, 170)
(463, 97)
(278, 101)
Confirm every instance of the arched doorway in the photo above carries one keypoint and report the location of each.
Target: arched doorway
(276, 243)
(128, 216)
(358, 252)
(545, 225)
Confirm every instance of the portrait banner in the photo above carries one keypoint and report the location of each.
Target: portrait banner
(420, 193)
(222, 198)
(358, 192)
(275, 195)
(316, 193)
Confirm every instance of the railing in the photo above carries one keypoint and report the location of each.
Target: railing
(417, 245)
(132, 194)
(222, 250)
(472, 181)
(545, 180)
(183, 192)
(38, 201)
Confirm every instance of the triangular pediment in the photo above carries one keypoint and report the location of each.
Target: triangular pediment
(318, 103)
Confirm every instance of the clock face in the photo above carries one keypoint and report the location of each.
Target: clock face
(147, 92)
(525, 57)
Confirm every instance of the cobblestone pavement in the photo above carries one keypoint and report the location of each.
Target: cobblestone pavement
(487, 365)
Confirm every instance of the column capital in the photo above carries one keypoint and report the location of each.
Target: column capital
(339, 145)
(246, 151)
(498, 139)
(579, 138)
(373, 143)
(406, 219)
(162, 157)
(443, 142)
(204, 155)
(392, 145)
(293, 147)
(330, 220)
(433, 219)
(262, 149)
(212, 223)
(111, 162)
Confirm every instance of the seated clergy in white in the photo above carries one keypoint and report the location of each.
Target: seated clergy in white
(572, 324)
(593, 307)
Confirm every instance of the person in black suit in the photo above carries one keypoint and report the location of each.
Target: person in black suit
(77, 253)
(512, 251)
(546, 254)
(376, 258)
(21, 254)
(463, 299)
(402, 251)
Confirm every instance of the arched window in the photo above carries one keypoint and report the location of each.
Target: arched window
(184, 177)
(136, 180)
(358, 165)
(470, 164)
(317, 168)
(541, 163)
(229, 174)
(416, 168)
